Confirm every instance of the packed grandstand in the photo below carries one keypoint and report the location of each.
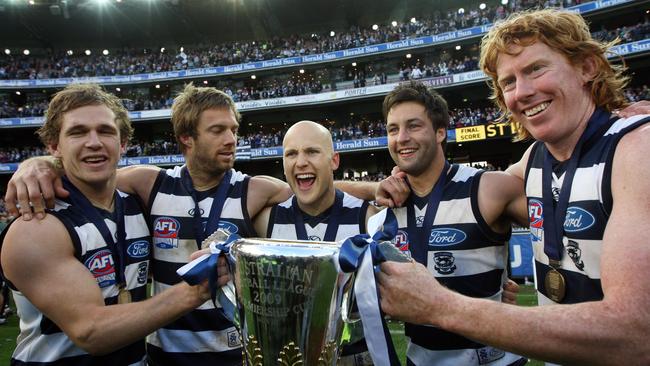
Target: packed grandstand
(334, 75)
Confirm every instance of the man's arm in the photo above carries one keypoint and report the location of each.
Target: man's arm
(265, 191)
(138, 180)
(38, 180)
(611, 331)
(261, 222)
(364, 190)
(65, 291)
(502, 199)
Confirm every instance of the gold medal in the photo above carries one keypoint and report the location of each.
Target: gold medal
(555, 285)
(124, 296)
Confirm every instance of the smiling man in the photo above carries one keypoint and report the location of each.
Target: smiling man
(185, 204)
(588, 204)
(81, 296)
(456, 222)
(317, 211)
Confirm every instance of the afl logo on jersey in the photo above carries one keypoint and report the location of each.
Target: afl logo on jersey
(536, 214)
(228, 226)
(166, 227)
(578, 219)
(402, 241)
(102, 266)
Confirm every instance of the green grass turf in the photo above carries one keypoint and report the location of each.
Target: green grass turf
(9, 331)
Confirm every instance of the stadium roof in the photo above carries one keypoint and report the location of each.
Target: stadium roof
(109, 23)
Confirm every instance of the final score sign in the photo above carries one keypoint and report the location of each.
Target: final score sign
(481, 132)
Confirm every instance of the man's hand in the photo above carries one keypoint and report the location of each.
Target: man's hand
(641, 107)
(510, 292)
(410, 293)
(394, 190)
(223, 272)
(33, 187)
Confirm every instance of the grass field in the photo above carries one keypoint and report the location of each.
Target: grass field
(9, 331)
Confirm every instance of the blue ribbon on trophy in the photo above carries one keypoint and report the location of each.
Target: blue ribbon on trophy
(360, 254)
(205, 266)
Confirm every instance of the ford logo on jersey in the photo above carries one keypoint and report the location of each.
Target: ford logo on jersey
(229, 227)
(166, 227)
(446, 236)
(102, 266)
(578, 219)
(138, 249)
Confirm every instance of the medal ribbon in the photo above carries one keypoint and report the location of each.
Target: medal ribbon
(420, 249)
(359, 254)
(554, 225)
(332, 220)
(205, 267)
(219, 198)
(115, 245)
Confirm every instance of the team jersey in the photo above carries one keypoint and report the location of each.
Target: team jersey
(41, 342)
(204, 336)
(589, 207)
(465, 255)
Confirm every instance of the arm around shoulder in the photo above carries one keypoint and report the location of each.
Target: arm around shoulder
(138, 180)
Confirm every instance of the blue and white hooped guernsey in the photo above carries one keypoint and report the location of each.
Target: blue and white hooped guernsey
(465, 255)
(351, 220)
(203, 336)
(590, 203)
(41, 342)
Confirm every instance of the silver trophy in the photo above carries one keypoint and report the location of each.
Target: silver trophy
(291, 295)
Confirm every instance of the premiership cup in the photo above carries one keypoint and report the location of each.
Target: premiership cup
(290, 295)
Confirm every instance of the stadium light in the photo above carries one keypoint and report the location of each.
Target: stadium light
(354, 64)
(482, 6)
(413, 20)
(87, 52)
(105, 52)
(458, 47)
(253, 77)
(504, 2)
(182, 49)
(375, 27)
(205, 82)
(17, 93)
(69, 52)
(31, 2)
(461, 11)
(162, 49)
(332, 33)
(7, 51)
(408, 55)
(26, 52)
(118, 89)
(157, 86)
(302, 71)
(394, 23)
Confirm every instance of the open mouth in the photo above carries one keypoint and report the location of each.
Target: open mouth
(405, 153)
(305, 181)
(537, 109)
(95, 160)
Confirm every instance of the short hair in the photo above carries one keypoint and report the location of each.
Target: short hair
(189, 105)
(565, 32)
(76, 96)
(415, 91)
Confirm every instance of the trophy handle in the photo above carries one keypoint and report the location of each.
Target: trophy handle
(348, 304)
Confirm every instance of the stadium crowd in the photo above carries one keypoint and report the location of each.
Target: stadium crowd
(367, 128)
(61, 63)
(441, 64)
